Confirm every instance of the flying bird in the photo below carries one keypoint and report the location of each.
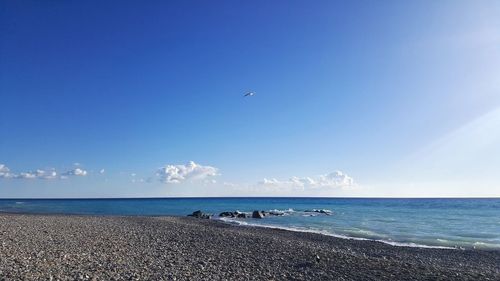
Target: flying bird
(249, 94)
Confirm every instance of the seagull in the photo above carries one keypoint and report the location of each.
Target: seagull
(249, 94)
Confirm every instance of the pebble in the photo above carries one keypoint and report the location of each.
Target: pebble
(181, 248)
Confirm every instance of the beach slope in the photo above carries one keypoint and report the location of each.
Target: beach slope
(36, 247)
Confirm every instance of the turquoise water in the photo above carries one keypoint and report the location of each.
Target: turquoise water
(456, 223)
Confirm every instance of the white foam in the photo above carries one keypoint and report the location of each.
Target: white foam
(282, 212)
(323, 232)
(232, 221)
(483, 245)
(325, 211)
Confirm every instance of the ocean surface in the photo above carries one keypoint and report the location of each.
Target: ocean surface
(453, 223)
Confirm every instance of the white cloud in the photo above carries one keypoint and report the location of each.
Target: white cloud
(76, 172)
(229, 184)
(45, 174)
(5, 172)
(189, 172)
(101, 171)
(26, 175)
(331, 184)
(335, 179)
(37, 174)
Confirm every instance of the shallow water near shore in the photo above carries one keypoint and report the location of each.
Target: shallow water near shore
(455, 223)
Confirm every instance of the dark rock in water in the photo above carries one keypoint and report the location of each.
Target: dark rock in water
(195, 214)
(227, 214)
(235, 214)
(242, 215)
(200, 215)
(257, 215)
(273, 213)
(321, 211)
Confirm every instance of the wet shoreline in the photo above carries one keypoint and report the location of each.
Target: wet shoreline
(72, 247)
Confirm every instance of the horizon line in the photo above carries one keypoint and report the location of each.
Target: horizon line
(241, 197)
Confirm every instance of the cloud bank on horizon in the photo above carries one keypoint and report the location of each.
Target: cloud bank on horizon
(175, 178)
(45, 174)
(193, 179)
(335, 179)
(193, 172)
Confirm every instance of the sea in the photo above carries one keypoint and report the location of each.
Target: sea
(440, 223)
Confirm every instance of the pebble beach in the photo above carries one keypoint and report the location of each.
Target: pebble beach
(70, 247)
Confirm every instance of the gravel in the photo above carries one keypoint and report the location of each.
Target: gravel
(65, 247)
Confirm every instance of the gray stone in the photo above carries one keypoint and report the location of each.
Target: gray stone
(257, 215)
(200, 215)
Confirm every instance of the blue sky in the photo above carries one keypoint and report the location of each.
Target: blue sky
(401, 96)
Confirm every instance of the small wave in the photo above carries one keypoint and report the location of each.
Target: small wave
(464, 244)
(477, 235)
(483, 245)
(364, 233)
(324, 232)
(284, 212)
(415, 245)
(231, 221)
(321, 211)
(310, 215)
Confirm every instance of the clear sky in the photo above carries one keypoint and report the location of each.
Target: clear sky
(115, 98)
